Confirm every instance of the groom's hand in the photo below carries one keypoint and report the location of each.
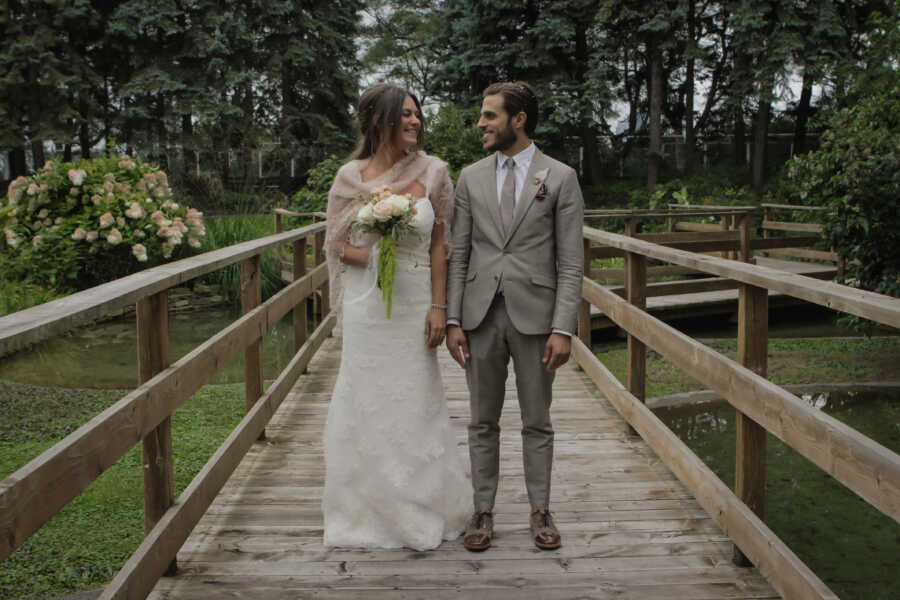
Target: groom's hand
(457, 344)
(557, 351)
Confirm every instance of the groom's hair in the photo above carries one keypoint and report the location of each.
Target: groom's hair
(518, 96)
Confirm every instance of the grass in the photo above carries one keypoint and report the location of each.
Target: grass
(18, 295)
(790, 361)
(84, 545)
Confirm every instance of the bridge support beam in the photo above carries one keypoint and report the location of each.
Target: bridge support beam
(750, 455)
(157, 457)
(324, 290)
(251, 297)
(299, 313)
(636, 294)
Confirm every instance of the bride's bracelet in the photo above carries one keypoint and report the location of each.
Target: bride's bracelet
(440, 306)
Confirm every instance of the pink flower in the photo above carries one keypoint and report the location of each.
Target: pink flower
(43, 213)
(36, 240)
(140, 252)
(11, 238)
(78, 234)
(383, 210)
(127, 163)
(76, 176)
(106, 220)
(114, 237)
(159, 218)
(120, 221)
(33, 189)
(96, 199)
(135, 211)
(90, 236)
(193, 242)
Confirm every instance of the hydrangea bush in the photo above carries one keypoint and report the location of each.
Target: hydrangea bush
(74, 225)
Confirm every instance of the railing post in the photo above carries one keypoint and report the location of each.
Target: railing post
(157, 457)
(750, 453)
(251, 297)
(765, 232)
(299, 312)
(746, 250)
(320, 258)
(584, 310)
(724, 227)
(636, 294)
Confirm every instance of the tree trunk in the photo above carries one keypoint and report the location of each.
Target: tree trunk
(689, 141)
(84, 138)
(740, 133)
(17, 165)
(187, 145)
(37, 153)
(654, 152)
(760, 137)
(67, 153)
(802, 117)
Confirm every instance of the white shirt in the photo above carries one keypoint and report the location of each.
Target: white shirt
(523, 163)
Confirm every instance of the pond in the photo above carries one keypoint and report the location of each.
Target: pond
(104, 355)
(850, 545)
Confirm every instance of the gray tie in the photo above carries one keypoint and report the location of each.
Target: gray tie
(508, 195)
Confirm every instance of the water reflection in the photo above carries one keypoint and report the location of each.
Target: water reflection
(104, 355)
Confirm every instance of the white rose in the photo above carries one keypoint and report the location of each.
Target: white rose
(400, 204)
(366, 214)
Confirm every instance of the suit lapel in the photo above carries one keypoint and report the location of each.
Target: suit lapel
(529, 191)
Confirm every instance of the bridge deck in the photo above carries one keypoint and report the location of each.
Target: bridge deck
(630, 529)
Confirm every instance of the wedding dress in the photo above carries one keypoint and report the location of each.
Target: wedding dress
(394, 477)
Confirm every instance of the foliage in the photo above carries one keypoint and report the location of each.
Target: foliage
(856, 174)
(453, 137)
(222, 232)
(75, 225)
(16, 295)
(313, 197)
(84, 545)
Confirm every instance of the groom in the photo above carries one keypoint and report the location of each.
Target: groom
(514, 287)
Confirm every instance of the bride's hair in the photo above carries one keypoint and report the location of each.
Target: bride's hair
(379, 113)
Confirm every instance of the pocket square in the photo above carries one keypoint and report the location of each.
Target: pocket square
(541, 193)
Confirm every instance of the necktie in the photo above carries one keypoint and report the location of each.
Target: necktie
(508, 195)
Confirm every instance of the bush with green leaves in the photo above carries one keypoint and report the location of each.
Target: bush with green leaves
(75, 225)
(855, 174)
(313, 197)
(453, 137)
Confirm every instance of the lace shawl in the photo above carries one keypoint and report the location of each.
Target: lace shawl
(349, 192)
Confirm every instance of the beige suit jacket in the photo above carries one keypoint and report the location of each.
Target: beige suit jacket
(540, 259)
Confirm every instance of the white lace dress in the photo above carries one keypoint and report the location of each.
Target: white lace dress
(394, 477)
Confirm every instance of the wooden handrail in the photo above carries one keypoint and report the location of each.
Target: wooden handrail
(37, 491)
(649, 214)
(870, 305)
(58, 316)
(794, 207)
(148, 563)
(790, 576)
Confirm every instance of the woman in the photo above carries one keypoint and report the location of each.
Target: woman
(393, 475)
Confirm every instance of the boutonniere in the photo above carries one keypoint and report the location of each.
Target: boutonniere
(539, 178)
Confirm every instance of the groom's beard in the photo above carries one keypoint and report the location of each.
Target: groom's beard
(503, 139)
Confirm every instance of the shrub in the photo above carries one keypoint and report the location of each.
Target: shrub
(75, 225)
(453, 137)
(313, 197)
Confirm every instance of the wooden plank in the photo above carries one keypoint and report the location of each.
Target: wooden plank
(53, 318)
(864, 466)
(690, 226)
(785, 570)
(789, 226)
(784, 241)
(157, 458)
(584, 309)
(37, 491)
(663, 271)
(687, 286)
(750, 451)
(880, 308)
(688, 236)
(794, 207)
(140, 573)
(299, 313)
(793, 252)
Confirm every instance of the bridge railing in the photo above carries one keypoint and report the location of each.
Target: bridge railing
(40, 489)
(733, 236)
(864, 466)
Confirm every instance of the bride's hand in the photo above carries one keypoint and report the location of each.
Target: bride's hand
(435, 326)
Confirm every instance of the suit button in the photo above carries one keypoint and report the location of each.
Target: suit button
(496, 277)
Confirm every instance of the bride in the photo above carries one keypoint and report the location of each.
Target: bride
(393, 477)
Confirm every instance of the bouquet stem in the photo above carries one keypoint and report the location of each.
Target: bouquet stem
(387, 264)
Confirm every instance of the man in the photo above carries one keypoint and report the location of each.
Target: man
(514, 288)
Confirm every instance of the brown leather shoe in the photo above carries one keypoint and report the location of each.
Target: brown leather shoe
(479, 531)
(544, 531)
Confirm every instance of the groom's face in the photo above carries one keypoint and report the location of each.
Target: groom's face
(497, 132)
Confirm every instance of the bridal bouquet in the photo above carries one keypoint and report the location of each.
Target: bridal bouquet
(390, 216)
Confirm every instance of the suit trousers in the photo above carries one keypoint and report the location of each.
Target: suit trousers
(491, 345)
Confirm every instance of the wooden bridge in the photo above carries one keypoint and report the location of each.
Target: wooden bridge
(641, 515)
